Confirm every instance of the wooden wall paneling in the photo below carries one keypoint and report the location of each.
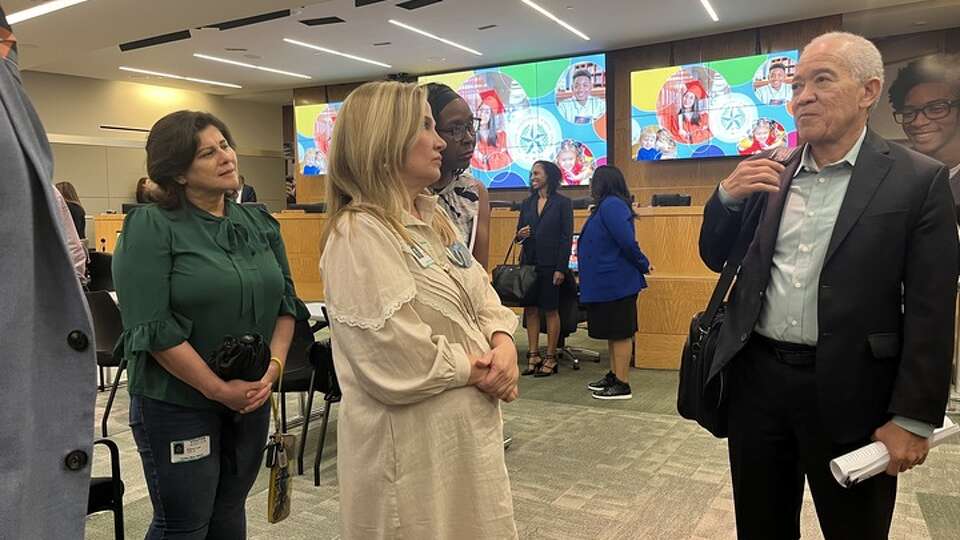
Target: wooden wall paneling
(106, 230)
(784, 37)
(669, 238)
(664, 311)
(301, 236)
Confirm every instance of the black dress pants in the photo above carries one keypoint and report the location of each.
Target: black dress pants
(777, 437)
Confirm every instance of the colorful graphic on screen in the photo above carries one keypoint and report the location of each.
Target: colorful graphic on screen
(735, 107)
(554, 110)
(314, 129)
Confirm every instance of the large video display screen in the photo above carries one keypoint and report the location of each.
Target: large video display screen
(314, 130)
(734, 107)
(554, 110)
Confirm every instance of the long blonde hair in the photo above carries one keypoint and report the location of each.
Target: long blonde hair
(375, 129)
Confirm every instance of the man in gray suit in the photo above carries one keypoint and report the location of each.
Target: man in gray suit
(48, 384)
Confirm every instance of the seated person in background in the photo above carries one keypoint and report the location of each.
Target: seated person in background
(776, 91)
(76, 209)
(422, 346)
(545, 228)
(189, 271)
(648, 145)
(582, 107)
(147, 191)
(246, 193)
(78, 251)
(611, 275)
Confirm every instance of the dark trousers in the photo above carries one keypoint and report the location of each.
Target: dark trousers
(205, 498)
(778, 437)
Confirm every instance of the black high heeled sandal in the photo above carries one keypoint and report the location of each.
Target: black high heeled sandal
(542, 370)
(532, 367)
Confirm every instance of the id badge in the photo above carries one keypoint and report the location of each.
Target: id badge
(459, 255)
(423, 258)
(189, 450)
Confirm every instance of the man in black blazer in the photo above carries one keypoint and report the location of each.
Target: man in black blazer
(839, 329)
(246, 193)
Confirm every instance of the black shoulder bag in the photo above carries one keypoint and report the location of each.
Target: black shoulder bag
(700, 397)
(515, 283)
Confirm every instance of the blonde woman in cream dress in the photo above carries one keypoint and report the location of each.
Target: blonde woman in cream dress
(422, 346)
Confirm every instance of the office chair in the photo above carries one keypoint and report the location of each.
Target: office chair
(106, 492)
(107, 327)
(100, 272)
(327, 383)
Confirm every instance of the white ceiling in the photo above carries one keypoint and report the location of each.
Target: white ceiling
(83, 40)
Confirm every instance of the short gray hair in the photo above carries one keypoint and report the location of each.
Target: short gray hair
(861, 56)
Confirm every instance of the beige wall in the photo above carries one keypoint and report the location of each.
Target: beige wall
(105, 165)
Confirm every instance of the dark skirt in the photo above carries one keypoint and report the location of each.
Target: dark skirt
(548, 294)
(615, 320)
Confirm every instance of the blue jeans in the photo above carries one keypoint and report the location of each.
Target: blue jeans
(203, 498)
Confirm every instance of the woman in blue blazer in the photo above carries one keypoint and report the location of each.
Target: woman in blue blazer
(546, 229)
(611, 275)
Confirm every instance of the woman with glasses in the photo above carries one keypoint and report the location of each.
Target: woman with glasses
(926, 103)
(462, 196)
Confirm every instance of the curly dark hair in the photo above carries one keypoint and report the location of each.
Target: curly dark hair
(171, 148)
(930, 69)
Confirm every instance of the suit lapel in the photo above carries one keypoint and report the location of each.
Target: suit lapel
(872, 167)
(769, 226)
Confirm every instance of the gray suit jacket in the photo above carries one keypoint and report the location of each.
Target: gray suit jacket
(47, 364)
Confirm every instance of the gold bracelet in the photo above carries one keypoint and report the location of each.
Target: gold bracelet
(279, 363)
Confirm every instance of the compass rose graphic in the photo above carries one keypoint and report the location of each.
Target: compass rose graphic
(533, 134)
(731, 116)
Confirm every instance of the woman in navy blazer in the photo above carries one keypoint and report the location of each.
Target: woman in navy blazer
(546, 229)
(611, 275)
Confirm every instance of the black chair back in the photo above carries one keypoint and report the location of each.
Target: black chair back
(298, 368)
(107, 326)
(99, 268)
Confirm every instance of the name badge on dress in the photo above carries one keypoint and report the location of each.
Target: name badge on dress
(422, 257)
(459, 255)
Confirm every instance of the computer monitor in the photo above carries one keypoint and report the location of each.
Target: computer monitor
(126, 208)
(574, 264)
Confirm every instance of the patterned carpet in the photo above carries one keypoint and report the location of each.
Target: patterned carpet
(579, 469)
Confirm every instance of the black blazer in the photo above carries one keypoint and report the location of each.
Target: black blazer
(79, 218)
(551, 232)
(896, 226)
(248, 194)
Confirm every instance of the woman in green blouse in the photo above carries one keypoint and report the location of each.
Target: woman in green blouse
(189, 270)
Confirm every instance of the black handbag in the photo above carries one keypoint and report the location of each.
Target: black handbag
(246, 358)
(701, 397)
(516, 284)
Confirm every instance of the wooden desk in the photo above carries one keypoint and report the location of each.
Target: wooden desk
(679, 287)
(301, 235)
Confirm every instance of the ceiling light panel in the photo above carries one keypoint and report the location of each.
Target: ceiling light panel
(337, 53)
(710, 11)
(42, 9)
(432, 36)
(178, 77)
(556, 19)
(251, 66)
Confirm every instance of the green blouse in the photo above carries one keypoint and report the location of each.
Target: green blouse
(186, 275)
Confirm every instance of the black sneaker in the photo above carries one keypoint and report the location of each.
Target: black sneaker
(606, 381)
(617, 390)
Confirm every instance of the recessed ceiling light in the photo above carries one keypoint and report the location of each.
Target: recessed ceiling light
(251, 66)
(431, 36)
(337, 53)
(180, 77)
(710, 11)
(556, 19)
(42, 9)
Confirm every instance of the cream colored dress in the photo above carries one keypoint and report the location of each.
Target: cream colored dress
(419, 453)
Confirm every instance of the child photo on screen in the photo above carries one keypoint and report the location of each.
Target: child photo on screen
(575, 163)
(666, 145)
(312, 164)
(764, 135)
(581, 107)
(648, 150)
(491, 151)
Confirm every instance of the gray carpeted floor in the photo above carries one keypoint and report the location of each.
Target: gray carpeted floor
(579, 468)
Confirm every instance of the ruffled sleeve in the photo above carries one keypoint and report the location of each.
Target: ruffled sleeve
(142, 263)
(396, 357)
(290, 304)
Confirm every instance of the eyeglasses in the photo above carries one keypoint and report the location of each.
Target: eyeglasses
(934, 110)
(458, 132)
